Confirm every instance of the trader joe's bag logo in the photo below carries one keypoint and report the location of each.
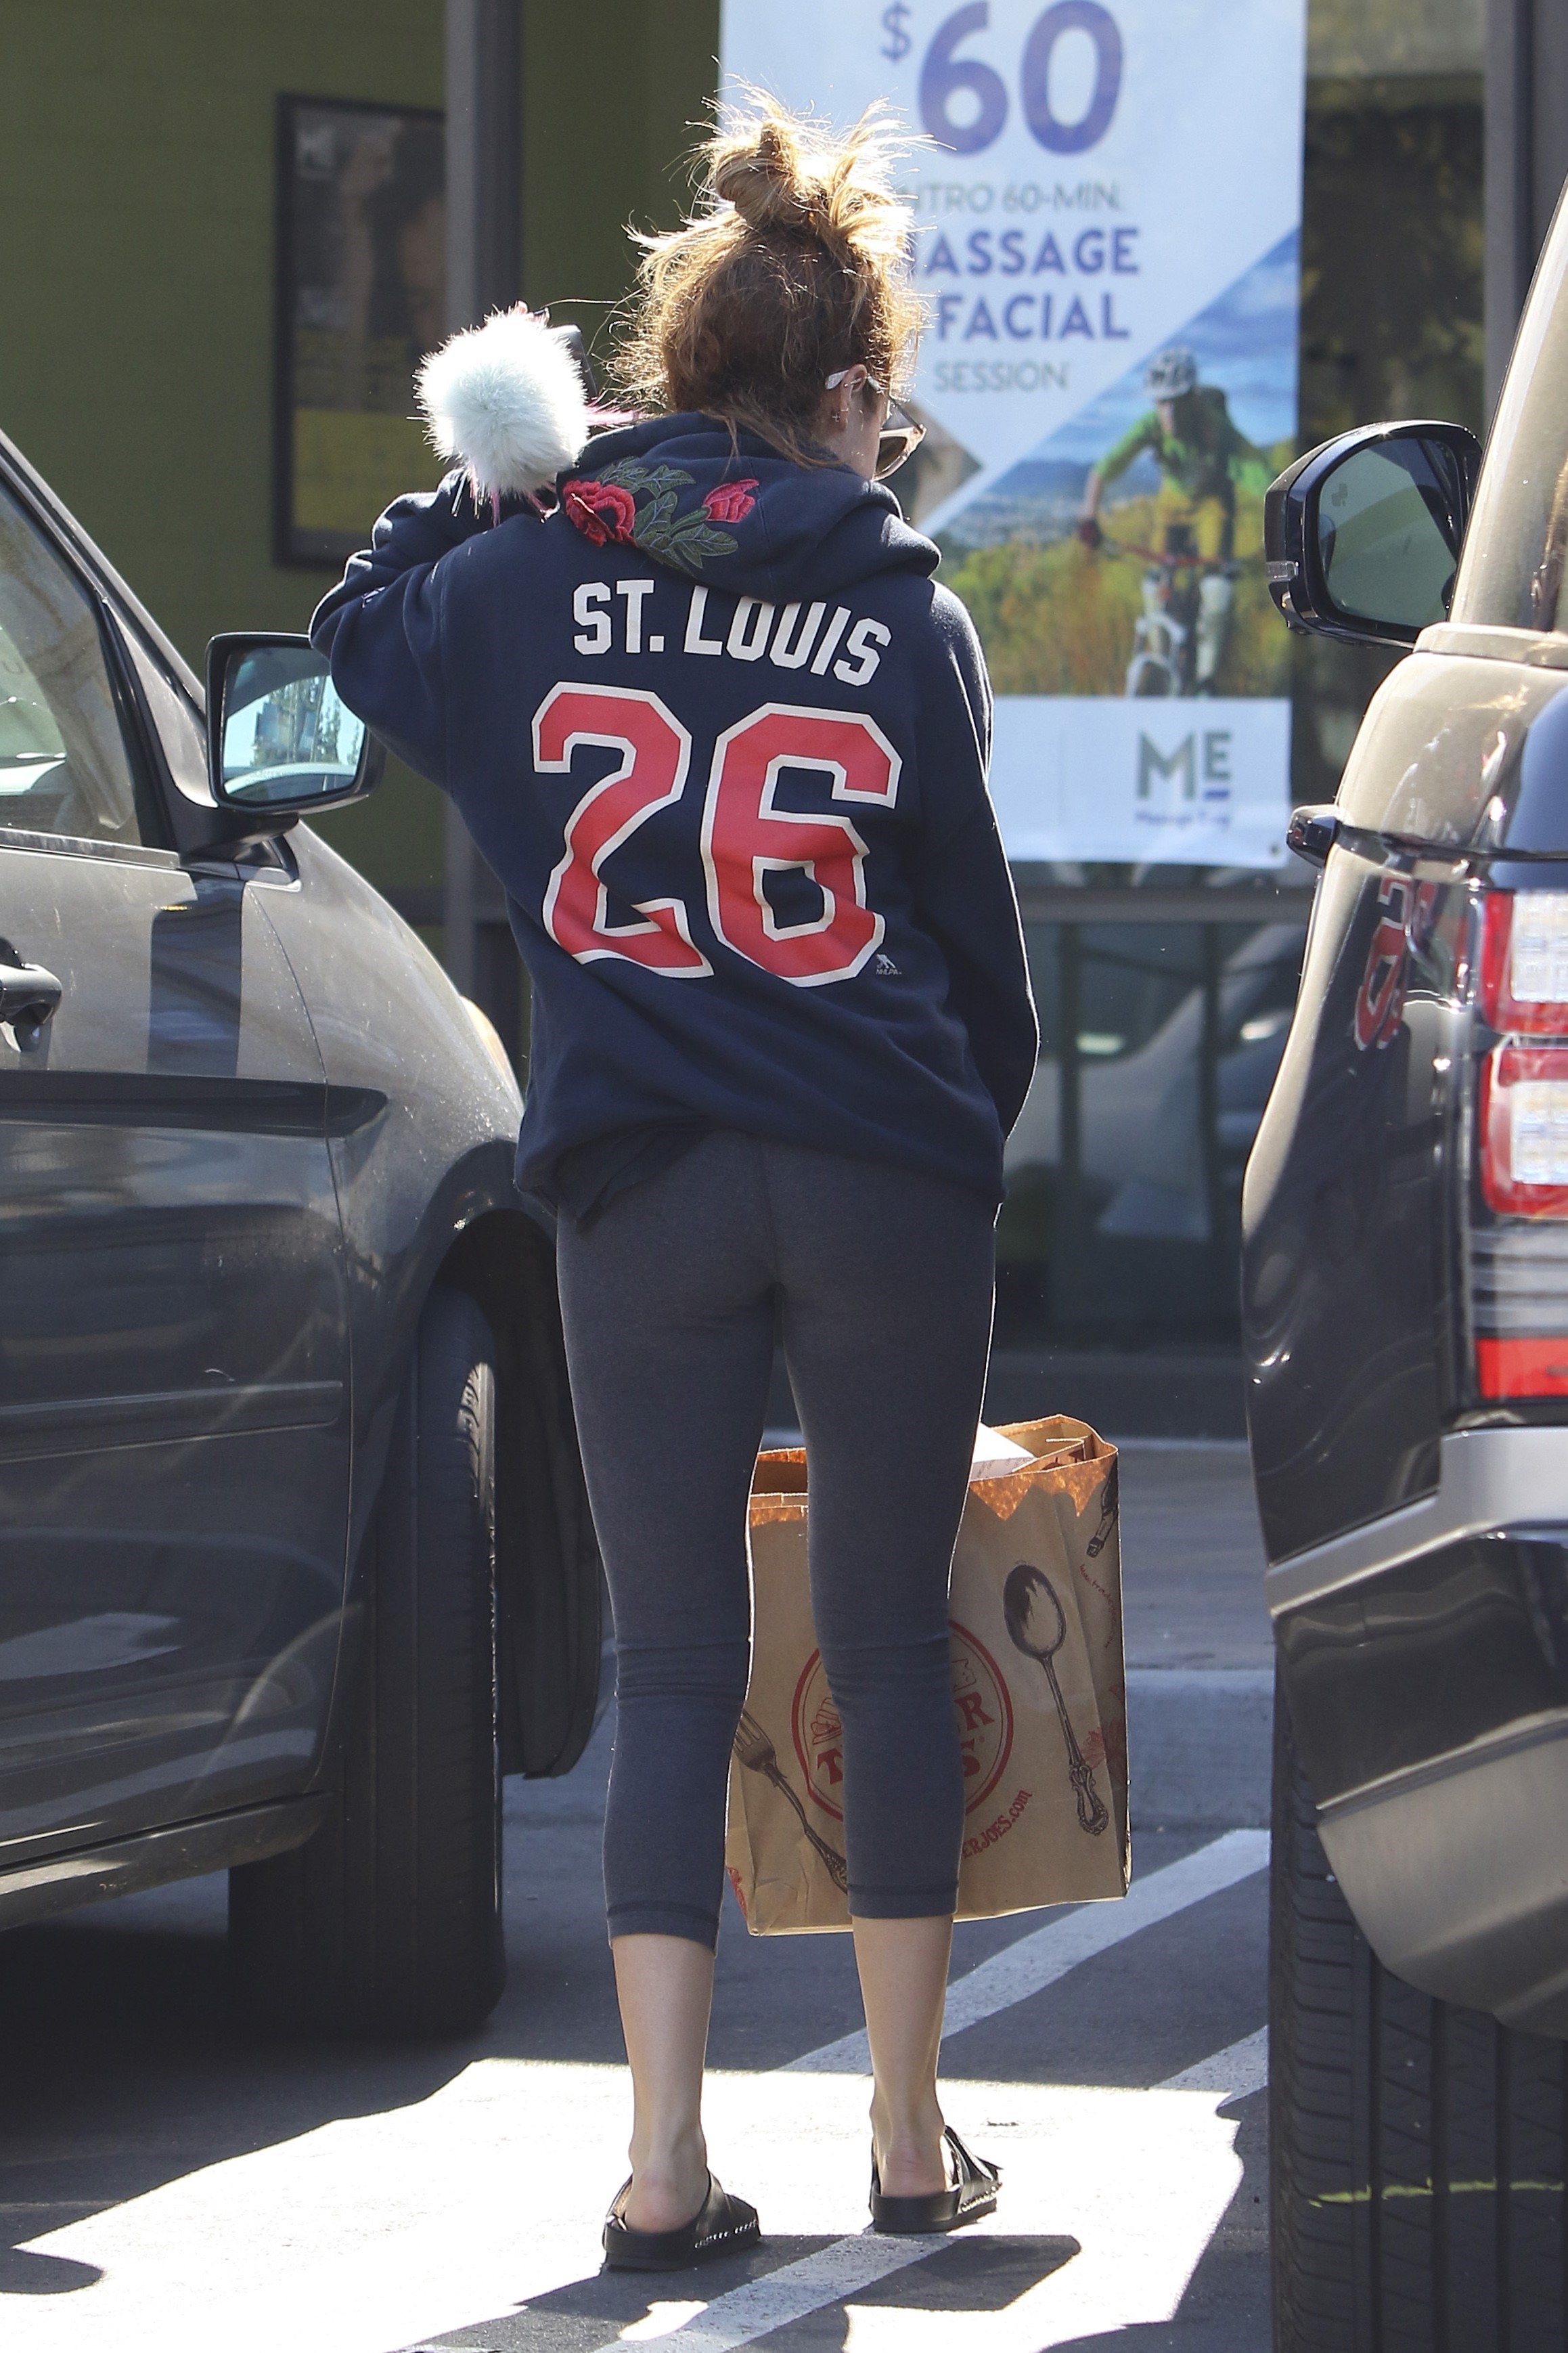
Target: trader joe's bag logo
(979, 1698)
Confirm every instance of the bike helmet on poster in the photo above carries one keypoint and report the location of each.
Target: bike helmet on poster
(1170, 373)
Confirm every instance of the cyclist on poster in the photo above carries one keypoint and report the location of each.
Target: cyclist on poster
(1189, 588)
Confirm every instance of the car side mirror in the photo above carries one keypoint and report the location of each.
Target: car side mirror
(1362, 535)
(281, 743)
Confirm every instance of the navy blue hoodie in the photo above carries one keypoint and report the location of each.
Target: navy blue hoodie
(723, 740)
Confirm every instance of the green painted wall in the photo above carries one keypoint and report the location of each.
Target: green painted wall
(136, 264)
(136, 193)
(614, 102)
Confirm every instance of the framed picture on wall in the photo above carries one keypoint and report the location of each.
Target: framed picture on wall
(361, 297)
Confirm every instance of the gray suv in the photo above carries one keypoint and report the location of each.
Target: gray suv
(295, 1557)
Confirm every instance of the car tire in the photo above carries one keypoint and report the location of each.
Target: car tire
(387, 1922)
(1417, 2148)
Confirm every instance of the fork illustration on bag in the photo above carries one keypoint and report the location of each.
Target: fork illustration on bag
(758, 1754)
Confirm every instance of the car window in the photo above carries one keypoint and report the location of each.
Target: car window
(64, 764)
(1516, 549)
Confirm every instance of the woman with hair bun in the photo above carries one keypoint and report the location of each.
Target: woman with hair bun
(723, 739)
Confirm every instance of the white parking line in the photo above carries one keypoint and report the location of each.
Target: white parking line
(1038, 1961)
(829, 2276)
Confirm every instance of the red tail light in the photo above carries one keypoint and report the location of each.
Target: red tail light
(1523, 1131)
(1522, 1368)
(1522, 1143)
(1524, 962)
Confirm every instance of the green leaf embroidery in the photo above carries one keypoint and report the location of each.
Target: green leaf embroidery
(696, 539)
(687, 540)
(629, 476)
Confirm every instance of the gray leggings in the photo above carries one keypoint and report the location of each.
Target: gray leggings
(883, 1284)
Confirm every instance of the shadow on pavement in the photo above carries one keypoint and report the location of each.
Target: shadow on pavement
(974, 2275)
(125, 2069)
(25, 2275)
(589, 2312)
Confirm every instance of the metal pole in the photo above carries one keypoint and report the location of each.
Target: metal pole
(1220, 1256)
(1526, 158)
(484, 90)
(1510, 247)
(1068, 1284)
(463, 72)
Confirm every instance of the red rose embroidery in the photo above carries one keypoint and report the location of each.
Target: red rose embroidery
(601, 511)
(732, 501)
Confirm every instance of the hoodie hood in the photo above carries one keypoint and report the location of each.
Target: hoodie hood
(735, 514)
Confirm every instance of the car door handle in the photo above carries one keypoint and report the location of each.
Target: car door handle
(28, 994)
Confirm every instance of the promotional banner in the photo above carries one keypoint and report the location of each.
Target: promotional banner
(1107, 200)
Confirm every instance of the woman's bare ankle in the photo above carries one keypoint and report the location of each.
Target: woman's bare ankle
(910, 2161)
(669, 2185)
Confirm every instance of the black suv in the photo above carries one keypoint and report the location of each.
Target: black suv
(295, 1558)
(1405, 1304)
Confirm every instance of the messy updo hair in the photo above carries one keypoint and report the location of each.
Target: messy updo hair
(792, 264)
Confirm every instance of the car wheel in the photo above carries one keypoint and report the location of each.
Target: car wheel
(387, 1922)
(1417, 2149)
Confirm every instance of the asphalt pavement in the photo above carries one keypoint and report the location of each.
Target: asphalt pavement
(167, 2183)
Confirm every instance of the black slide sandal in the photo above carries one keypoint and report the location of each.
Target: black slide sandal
(974, 2193)
(720, 2226)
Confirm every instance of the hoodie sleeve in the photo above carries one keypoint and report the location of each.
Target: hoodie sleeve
(963, 887)
(382, 626)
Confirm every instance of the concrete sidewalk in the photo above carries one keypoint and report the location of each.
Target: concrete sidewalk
(1200, 1674)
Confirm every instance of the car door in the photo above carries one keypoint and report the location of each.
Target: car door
(173, 1346)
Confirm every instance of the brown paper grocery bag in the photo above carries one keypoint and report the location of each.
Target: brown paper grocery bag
(1038, 1686)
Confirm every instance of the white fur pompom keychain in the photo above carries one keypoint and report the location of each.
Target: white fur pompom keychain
(507, 403)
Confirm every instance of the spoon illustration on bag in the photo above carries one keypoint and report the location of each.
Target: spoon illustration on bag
(758, 1754)
(1039, 1627)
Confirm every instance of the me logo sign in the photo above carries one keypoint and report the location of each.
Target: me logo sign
(1181, 782)
(1191, 778)
(1181, 767)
